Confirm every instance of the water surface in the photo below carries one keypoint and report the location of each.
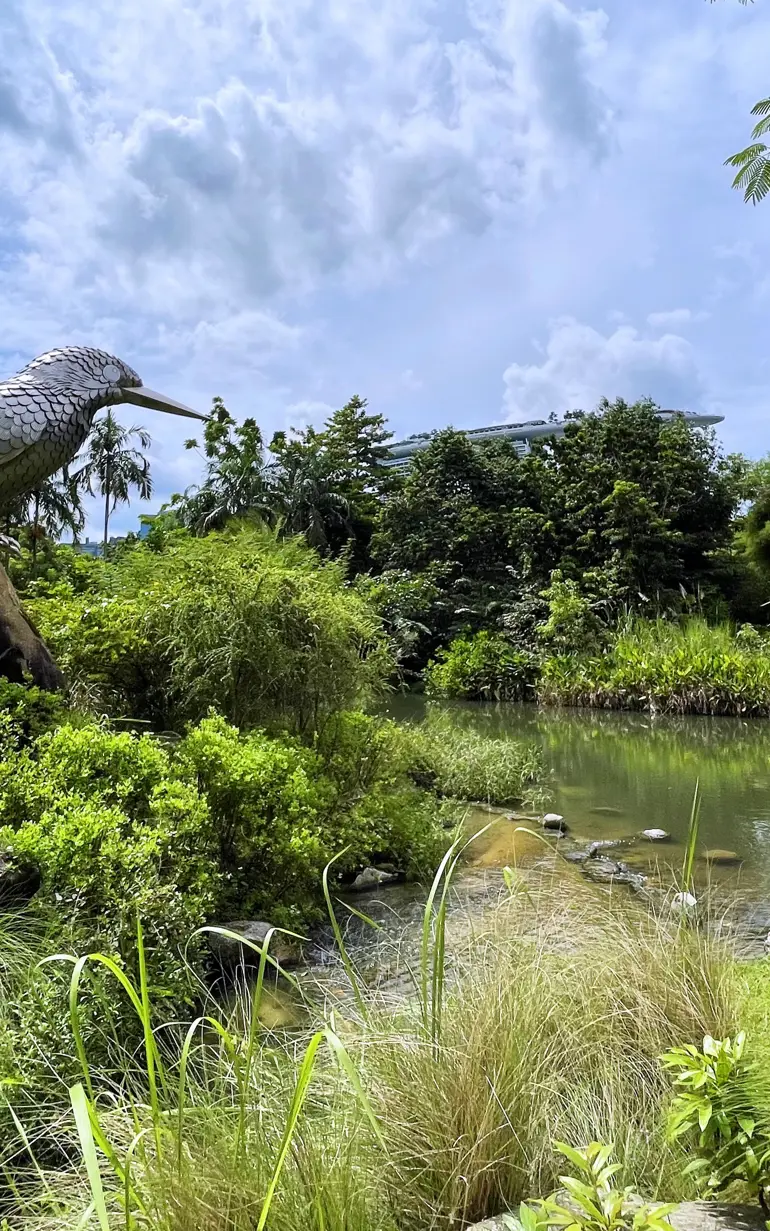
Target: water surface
(613, 774)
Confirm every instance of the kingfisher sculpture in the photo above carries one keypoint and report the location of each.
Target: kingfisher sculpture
(47, 409)
(46, 413)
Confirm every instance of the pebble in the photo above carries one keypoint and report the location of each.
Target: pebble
(656, 835)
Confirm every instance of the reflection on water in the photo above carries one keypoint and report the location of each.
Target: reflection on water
(614, 774)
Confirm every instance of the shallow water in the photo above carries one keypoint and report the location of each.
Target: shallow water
(613, 774)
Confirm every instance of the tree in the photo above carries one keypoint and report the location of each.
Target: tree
(304, 492)
(112, 467)
(236, 482)
(752, 165)
(343, 465)
(55, 506)
(628, 507)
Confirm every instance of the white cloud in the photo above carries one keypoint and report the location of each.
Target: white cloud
(231, 154)
(582, 365)
(675, 317)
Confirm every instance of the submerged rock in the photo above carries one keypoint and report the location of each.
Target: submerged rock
(604, 810)
(231, 952)
(611, 871)
(656, 835)
(373, 878)
(721, 857)
(604, 844)
(578, 856)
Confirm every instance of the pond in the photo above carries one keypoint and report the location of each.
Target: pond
(613, 774)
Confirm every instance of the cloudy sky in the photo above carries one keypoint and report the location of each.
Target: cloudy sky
(464, 210)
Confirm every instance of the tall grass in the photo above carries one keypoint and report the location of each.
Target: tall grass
(687, 667)
(547, 1023)
(464, 764)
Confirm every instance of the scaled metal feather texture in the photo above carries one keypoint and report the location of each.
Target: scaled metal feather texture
(47, 409)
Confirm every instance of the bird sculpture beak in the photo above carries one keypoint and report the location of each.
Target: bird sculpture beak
(140, 395)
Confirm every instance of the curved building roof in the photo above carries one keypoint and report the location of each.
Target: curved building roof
(401, 450)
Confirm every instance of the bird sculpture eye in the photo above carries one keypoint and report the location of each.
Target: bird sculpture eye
(111, 374)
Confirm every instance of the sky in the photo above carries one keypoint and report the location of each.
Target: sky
(466, 211)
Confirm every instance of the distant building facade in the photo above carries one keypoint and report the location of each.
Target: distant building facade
(520, 434)
(94, 547)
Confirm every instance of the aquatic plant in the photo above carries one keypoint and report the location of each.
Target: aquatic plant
(672, 667)
(465, 764)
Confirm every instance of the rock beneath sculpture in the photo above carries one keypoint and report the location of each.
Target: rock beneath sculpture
(373, 878)
(656, 835)
(18, 882)
(721, 857)
(233, 952)
(24, 657)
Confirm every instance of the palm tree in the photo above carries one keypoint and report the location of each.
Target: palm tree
(305, 496)
(54, 506)
(753, 164)
(111, 467)
(236, 477)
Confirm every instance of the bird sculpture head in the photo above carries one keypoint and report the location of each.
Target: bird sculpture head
(98, 378)
(47, 409)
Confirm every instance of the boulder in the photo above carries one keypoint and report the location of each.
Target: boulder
(554, 823)
(373, 878)
(18, 881)
(283, 949)
(656, 835)
(721, 857)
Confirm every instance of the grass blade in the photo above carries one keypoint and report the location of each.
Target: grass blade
(82, 1113)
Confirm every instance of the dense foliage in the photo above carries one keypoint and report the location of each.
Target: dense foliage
(259, 630)
(219, 825)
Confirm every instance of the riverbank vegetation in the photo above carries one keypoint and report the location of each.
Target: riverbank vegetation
(218, 759)
(431, 1111)
(478, 564)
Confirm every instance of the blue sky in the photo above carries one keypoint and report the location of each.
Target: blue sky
(464, 210)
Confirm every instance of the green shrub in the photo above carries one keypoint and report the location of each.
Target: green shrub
(116, 836)
(28, 711)
(225, 825)
(483, 667)
(261, 631)
(597, 1205)
(714, 1112)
